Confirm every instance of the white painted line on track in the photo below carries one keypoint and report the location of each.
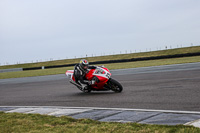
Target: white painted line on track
(195, 123)
(69, 111)
(99, 108)
(20, 110)
(60, 110)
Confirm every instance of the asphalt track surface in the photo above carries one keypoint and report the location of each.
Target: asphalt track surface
(171, 87)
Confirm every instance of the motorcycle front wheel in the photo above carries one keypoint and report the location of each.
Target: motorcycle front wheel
(115, 85)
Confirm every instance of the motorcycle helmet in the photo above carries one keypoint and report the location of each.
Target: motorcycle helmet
(84, 64)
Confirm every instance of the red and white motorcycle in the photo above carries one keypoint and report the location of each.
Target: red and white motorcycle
(102, 78)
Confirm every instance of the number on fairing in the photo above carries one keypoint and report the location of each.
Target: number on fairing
(108, 75)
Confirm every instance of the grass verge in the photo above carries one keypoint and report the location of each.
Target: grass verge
(109, 66)
(109, 57)
(16, 122)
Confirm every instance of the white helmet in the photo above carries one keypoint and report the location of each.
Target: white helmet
(84, 64)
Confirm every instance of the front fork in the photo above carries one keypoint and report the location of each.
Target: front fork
(109, 85)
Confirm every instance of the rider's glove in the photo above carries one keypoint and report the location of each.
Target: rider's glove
(91, 82)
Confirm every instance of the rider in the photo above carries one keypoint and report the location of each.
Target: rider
(79, 73)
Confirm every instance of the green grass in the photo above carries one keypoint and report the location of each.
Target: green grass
(110, 57)
(29, 123)
(109, 66)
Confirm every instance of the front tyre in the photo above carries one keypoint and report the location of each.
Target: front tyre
(115, 85)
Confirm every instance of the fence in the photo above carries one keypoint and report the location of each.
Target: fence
(120, 61)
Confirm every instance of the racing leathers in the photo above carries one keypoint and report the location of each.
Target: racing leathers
(79, 74)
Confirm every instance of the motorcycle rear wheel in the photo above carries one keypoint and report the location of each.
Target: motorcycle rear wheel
(115, 85)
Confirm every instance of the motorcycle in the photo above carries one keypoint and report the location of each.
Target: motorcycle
(102, 78)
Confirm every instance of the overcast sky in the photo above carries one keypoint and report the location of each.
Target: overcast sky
(33, 30)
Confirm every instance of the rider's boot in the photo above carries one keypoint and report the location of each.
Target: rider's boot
(85, 88)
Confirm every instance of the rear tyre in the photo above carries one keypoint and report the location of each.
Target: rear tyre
(115, 85)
